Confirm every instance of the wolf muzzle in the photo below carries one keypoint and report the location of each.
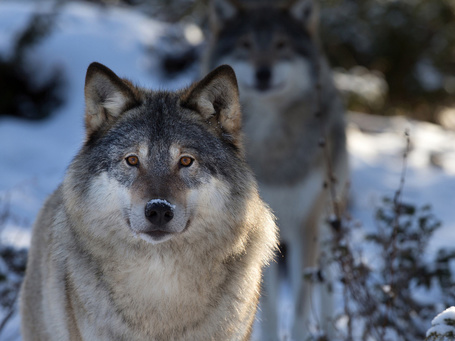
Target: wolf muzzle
(159, 212)
(263, 78)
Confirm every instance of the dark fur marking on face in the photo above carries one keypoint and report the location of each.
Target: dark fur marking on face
(259, 25)
(159, 123)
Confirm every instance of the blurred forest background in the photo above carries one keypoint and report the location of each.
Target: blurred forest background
(390, 57)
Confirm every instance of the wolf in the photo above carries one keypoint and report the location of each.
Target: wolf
(294, 134)
(157, 231)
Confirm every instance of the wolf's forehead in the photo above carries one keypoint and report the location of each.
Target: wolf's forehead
(143, 150)
(265, 19)
(261, 25)
(174, 151)
(169, 140)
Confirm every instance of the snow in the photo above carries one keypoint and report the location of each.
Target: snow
(162, 202)
(443, 324)
(34, 155)
(376, 155)
(448, 314)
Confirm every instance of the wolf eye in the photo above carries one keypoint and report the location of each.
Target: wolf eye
(186, 161)
(132, 160)
(280, 45)
(246, 44)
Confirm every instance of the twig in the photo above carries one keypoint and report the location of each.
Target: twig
(331, 179)
(397, 208)
(10, 312)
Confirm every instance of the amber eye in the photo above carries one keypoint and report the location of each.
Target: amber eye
(246, 44)
(132, 160)
(280, 45)
(186, 161)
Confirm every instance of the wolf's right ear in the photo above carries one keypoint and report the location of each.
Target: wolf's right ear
(106, 97)
(306, 11)
(221, 11)
(216, 99)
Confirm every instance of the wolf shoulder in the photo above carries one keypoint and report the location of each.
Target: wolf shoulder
(33, 288)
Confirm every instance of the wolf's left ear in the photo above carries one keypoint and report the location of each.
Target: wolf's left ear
(221, 11)
(216, 99)
(106, 97)
(306, 11)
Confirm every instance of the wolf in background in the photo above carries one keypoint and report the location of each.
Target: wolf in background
(284, 81)
(157, 231)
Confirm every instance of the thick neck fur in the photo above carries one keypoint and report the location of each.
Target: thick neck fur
(289, 131)
(174, 279)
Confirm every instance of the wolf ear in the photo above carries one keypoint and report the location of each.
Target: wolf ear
(221, 11)
(106, 97)
(216, 99)
(305, 11)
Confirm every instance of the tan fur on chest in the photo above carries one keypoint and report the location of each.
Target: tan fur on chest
(164, 288)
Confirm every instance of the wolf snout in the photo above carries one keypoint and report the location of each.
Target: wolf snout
(263, 78)
(159, 212)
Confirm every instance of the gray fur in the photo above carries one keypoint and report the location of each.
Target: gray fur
(98, 270)
(274, 48)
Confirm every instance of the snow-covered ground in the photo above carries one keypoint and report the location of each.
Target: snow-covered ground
(34, 155)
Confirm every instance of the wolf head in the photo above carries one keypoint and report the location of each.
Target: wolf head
(155, 164)
(271, 45)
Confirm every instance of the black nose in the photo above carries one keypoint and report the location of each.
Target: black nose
(159, 212)
(263, 77)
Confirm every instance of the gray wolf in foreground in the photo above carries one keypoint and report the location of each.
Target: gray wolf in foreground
(157, 231)
(275, 52)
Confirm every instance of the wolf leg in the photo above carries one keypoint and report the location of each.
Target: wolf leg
(307, 305)
(327, 303)
(269, 303)
(302, 256)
